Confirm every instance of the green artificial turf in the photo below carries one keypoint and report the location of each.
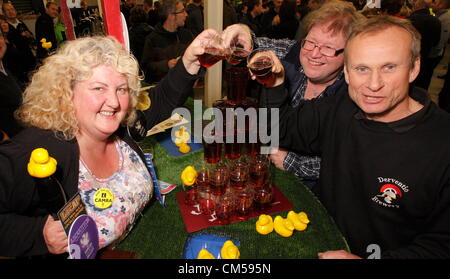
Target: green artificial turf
(160, 232)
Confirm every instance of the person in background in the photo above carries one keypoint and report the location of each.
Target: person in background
(285, 23)
(391, 7)
(359, 4)
(229, 14)
(17, 27)
(22, 41)
(429, 28)
(152, 12)
(267, 19)
(21, 63)
(385, 176)
(45, 29)
(302, 8)
(311, 6)
(405, 11)
(194, 20)
(253, 16)
(80, 106)
(444, 95)
(60, 31)
(125, 8)
(10, 96)
(241, 11)
(165, 45)
(138, 30)
(440, 8)
(313, 68)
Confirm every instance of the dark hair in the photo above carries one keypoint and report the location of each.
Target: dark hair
(138, 15)
(167, 7)
(251, 4)
(391, 7)
(49, 3)
(288, 10)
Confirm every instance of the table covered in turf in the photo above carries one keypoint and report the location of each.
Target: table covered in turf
(161, 234)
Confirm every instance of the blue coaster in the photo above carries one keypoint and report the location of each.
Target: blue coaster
(166, 141)
(210, 242)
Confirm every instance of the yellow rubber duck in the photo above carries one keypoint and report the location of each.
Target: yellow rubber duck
(143, 101)
(181, 140)
(229, 250)
(45, 44)
(299, 220)
(184, 148)
(182, 136)
(189, 175)
(303, 217)
(41, 164)
(283, 227)
(205, 255)
(264, 225)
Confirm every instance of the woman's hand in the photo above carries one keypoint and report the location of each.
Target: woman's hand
(195, 49)
(55, 237)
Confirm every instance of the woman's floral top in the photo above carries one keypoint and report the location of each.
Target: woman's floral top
(132, 187)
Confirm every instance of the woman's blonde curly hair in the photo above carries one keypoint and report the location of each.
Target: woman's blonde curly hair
(48, 100)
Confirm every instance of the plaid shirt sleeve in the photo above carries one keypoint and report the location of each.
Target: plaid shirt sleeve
(307, 167)
(281, 46)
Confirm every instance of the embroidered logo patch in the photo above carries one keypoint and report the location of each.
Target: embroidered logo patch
(390, 192)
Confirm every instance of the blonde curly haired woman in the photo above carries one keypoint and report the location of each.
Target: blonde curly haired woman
(79, 106)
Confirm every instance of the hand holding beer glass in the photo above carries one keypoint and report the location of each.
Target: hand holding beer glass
(237, 52)
(265, 67)
(214, 51)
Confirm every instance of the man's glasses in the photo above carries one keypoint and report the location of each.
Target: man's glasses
(325, 50)
(179, 12)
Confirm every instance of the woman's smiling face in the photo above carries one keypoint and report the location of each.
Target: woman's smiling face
(101, 102)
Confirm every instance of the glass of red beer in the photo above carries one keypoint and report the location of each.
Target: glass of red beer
(238, 175)
(243, 203)
(237, 81)
(224, 208)
(214, 52)
(190, 194)
(202, 176)
(259, 170)
(237, 53)
(211, 148)
(219, 179)
(263, 197)
(260, 63)
(206, 200)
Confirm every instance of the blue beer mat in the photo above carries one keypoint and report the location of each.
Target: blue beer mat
(166, 141)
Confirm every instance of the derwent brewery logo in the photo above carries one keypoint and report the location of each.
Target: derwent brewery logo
(390, 192)
(238, 125)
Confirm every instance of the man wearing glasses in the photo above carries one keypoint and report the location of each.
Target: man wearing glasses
(167, 43)
(313, 68)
